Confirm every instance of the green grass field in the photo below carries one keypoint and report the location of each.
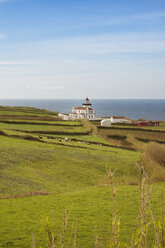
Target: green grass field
(161, 127)
(46, 177)
(36, 127)
(142, 134)
(93, 208)
(29, 166)
(59, 122)
(24, 111)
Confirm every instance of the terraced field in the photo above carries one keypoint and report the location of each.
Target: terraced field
(57, 166)
(146, 134)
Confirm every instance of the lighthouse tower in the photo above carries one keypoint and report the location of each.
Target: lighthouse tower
(84, 112)
(87, 104)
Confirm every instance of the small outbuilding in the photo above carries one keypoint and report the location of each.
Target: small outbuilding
(64, 117)
(148, 123)
(106, 123)
(120, 119)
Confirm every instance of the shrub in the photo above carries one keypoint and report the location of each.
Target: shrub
(153, 160)
(156, 153)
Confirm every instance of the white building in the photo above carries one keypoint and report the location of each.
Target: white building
(106, 123)
(118, 119)
(84, 112)
(64, 117)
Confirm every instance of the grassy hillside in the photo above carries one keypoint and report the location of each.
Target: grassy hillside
(93, 208)
(43, 127)
(7, 110)
(29, 166)
(44, 174)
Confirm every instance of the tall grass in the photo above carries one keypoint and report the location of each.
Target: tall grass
(153, 160)
(156, 153)
(89, 126)
(66, 236)
(140, 238)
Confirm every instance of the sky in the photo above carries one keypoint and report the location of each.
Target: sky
(64, 49)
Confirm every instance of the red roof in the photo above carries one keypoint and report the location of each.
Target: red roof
(87, 99)
(83, 108)
(118, 117)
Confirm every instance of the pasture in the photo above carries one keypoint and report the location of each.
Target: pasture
(45, 174)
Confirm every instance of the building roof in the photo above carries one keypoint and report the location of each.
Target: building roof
(147, 122)
(118, 117)
(83, 108)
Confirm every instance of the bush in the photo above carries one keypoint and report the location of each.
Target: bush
(156, 153)
(153, 160)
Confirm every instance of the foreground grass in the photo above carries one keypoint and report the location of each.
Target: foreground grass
(92, 207)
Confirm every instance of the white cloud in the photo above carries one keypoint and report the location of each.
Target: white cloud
(149, 16)
(103, 44)
(47, 88)
(19, 62)
(136, 17)
(111, 20)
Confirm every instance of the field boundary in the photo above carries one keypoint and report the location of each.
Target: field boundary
(31, 138)
(23, 195)
(52, 132)
(149, 140)
(99, 143)
(131, 129)
(40, 123)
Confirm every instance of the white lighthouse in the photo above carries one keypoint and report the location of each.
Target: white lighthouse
(84, 112)
(87, 103)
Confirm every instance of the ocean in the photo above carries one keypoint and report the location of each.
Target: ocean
(134, 109)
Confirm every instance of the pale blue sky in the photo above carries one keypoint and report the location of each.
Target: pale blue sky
(73, 49)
